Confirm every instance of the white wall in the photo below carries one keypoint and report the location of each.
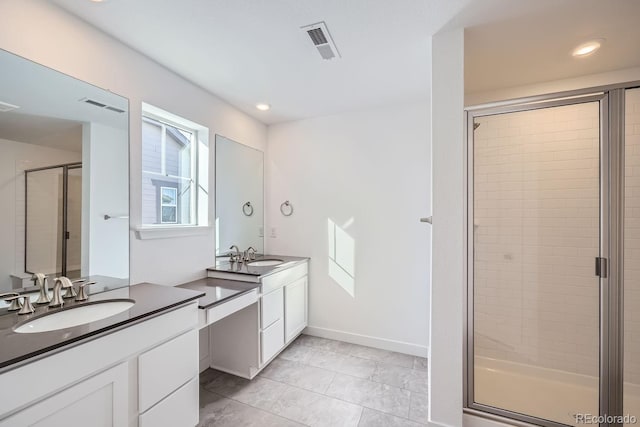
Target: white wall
(15, 158)
(44, 33)
(105, 192)
(445, 364)
(542, 88)
(369, 172)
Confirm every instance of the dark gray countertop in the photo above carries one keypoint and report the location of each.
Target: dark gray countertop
(223, 265)
(218, 291)
(149, 300)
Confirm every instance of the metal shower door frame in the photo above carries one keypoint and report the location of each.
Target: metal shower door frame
(611, 107)
(65, 197)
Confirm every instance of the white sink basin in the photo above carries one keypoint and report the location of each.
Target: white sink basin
(265, 262)
(75, 316)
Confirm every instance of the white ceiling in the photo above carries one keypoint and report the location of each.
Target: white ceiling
(47, 131)
(249, 51)
(536, 47)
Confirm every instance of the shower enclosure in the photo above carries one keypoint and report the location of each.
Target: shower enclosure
(53, 220)
(553, 296)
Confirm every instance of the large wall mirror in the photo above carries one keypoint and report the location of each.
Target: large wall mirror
(239, 196)
(64, 177)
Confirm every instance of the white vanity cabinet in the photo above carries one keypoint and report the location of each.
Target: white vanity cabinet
(142, 375)
(244, 342)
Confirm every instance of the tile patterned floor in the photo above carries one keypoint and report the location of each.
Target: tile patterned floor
(319, 382)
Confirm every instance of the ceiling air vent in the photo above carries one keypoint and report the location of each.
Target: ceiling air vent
(319, 35)
(102, 105)
(117, 110)
(5, 106)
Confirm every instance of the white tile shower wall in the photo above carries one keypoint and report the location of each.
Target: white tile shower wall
(632, 238)
(536, 230)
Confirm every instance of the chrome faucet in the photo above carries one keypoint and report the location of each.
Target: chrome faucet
(250, 254)
(59, 284)
(237, 257)
(43, 286)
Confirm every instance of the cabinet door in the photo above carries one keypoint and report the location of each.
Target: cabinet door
(295, 308)
(100, 401)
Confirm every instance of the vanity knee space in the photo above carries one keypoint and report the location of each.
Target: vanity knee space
(249, 330)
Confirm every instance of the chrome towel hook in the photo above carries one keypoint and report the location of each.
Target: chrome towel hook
(286, 208)
(247, 209)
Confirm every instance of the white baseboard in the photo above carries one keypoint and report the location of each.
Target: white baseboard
(204, 363)
(369, 341)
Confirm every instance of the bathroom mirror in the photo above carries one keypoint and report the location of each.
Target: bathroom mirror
(239, 196)
(64, 178)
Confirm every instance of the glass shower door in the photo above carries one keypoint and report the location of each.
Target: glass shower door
(536, 232)
(43, 218)
(53, 220)
(631, 389)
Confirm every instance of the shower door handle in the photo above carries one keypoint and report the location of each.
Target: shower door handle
(601, 267)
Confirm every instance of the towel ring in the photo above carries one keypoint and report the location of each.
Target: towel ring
(247, 209)
(284, 206)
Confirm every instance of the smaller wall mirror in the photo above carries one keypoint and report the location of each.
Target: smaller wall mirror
(239, 196)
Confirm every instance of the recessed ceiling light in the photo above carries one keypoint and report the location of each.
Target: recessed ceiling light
(263, 107)
(586, 49)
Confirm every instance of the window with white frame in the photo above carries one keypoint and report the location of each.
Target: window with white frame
(175, 160)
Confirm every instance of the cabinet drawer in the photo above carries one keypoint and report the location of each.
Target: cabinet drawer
(178, 409)
(272, 340)
(166, 367)
(227, 308)
(278, 280)
(272, 308)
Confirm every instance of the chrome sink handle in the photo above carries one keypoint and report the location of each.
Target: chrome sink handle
(59, 283)
(82, 293)
(25, 307)
(15, 302)
(251, 254)
(41, 281)
(71, 291)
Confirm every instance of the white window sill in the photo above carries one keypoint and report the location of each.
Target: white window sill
(168, 232)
